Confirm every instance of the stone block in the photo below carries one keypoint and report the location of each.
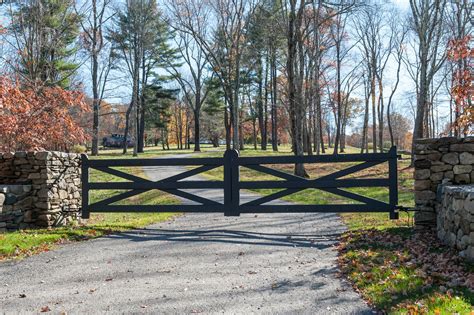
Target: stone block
(435, 156)
(464, 242)
(441, 168)
(424, 163)
(466, 158)
(462, 179)
(469, 253)
(63, 194)
(425, 218)
(422, 184)
(23, 204)
(469, 205)
(34, 176)
(437, 177)
(462, 169)
(451, 158)
(28, 216)
(462, 147)
(449, 175)
(422, 174)
(10, 199)
(42, 155)
(20, 154)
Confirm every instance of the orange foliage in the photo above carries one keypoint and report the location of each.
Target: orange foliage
(39, 118)
(461, 54)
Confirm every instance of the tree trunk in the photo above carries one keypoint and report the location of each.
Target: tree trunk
(227, 126)
(274, 102)
(96, 106)
(127, 128)
(197, 131)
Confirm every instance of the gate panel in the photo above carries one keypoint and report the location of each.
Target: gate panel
(232, 184)
(137, 185)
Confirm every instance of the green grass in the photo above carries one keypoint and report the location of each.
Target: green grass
(393, 276)
(23, 243)
(377, 270)
(314, 196)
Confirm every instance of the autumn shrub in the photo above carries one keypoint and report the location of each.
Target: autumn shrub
(33, 117)
(461, 55)
(77, 148)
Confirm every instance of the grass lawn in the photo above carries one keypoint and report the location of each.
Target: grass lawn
(28, 242)
(395, 269)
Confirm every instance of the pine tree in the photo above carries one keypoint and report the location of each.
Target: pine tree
(45, 34)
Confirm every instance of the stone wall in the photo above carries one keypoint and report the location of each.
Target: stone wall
(15, 201)
(455, 218)
(439, 161)
(39, 189)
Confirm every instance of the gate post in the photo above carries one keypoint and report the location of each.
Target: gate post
(85, 186)
(231, 183)
(393, 176)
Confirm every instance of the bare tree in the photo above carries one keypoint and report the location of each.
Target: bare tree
(95, 17)
(221, 41)
(342, 50)
(138, 37)
(427, 17)
(399, 42)
(376, 38)
(195, 64)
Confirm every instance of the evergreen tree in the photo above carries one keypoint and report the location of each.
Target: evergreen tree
(45, 36)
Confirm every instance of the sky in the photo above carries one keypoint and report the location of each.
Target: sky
(402, 103)
(406, 87)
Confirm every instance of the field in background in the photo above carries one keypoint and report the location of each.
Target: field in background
(315, 196)
(19, 244)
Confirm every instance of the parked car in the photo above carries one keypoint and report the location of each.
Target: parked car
(116, 141)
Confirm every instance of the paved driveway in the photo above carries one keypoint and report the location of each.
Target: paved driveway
(195, 263)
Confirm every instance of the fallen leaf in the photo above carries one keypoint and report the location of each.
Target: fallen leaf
(45, 309)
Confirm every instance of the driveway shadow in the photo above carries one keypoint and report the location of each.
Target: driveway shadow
(318, 241)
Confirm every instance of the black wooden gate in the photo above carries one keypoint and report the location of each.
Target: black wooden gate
(232, 185)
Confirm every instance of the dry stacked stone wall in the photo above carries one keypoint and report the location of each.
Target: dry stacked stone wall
(39, 189)
(455, 218)
(438, 162)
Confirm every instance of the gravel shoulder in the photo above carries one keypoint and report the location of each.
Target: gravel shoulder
(195, 263)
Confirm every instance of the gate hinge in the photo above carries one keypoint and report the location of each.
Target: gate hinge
(405, 209)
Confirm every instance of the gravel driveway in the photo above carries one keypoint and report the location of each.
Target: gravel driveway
(195, 263)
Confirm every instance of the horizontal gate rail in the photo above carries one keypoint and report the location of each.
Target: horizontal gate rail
(158, 208)
(156, 162)
(303, 184)
(147, 185)
(344, 208)
(232, 184)
(292, 159)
